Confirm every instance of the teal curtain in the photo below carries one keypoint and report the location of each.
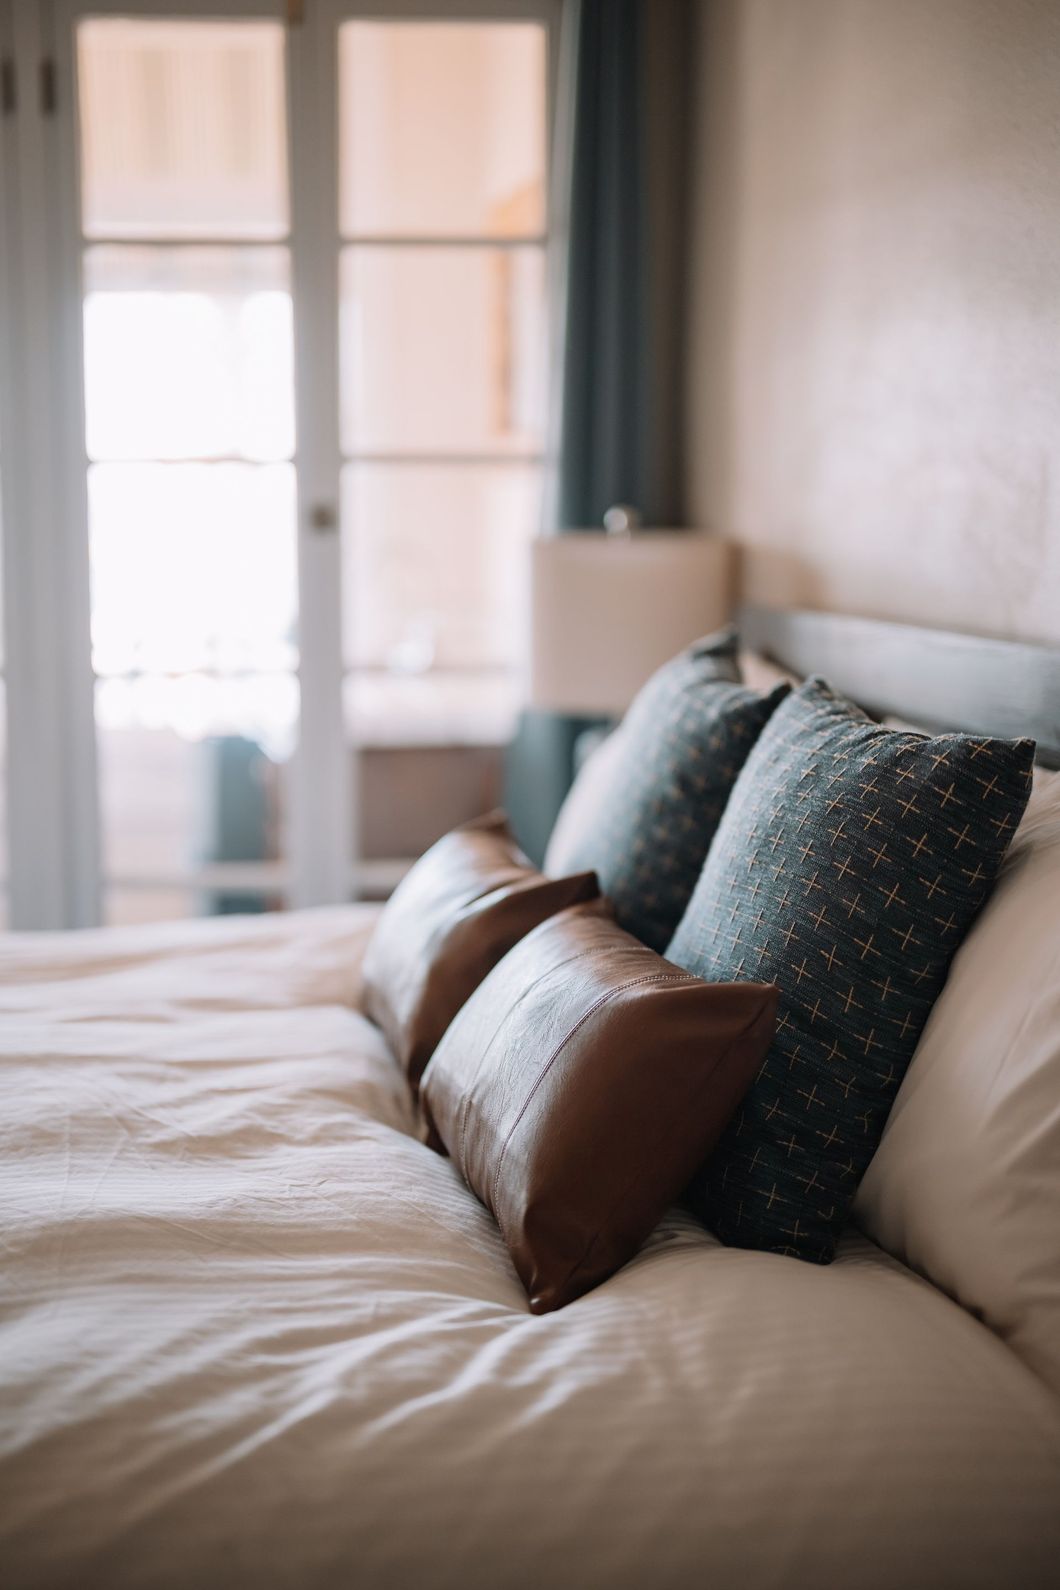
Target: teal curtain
(601, 433)
(619, 204)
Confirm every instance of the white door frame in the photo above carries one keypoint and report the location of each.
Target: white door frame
(51, 779)
(327, 17)
(320, 823)
(53, 795)
(324, 819)
(8, 224)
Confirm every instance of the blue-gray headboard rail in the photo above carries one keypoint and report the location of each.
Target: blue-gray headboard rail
(933, 677)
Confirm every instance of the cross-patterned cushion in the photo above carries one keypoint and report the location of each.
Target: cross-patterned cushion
(849, 865)
(670, 767)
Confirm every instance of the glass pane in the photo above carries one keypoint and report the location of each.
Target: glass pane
(192, 772)
(442, 129)
(134, 906)
(188, 353)
(183, 129)
(384, 709)
(193, 567)
(131, 907)
(442, 349)
(435, 564)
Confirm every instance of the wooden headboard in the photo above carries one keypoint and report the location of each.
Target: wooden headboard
(932, 677)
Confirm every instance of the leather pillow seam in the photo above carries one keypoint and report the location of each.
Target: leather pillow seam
(623, 1202)
(466, 1102)
(609, 994)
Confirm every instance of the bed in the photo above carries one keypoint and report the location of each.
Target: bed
(253, 1332)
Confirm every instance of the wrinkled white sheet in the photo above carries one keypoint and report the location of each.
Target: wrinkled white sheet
(253, 1333)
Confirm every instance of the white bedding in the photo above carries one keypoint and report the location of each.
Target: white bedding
(253, 1333)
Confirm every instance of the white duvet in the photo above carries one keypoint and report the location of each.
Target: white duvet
(252, 1333)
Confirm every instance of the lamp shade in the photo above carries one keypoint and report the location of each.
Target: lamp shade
(607, 610)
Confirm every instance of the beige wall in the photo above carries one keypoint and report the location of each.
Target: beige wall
(874, 408)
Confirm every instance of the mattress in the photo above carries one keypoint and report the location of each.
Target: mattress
(252, 1332)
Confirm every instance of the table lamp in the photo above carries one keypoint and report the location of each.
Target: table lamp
(608, 607)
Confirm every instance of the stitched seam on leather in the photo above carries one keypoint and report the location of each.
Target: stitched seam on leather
(465, 1109)
(737, 1038)
(611, 993)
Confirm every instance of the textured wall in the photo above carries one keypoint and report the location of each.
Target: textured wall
(874, 403)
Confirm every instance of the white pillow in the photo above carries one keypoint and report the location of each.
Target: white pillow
(579, 815)
(965, 1186)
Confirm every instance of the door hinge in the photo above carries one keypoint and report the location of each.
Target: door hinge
(49, 97)
(8, 86)
(295, 12)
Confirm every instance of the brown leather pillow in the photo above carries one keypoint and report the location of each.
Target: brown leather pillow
(581, 1086)
(460, 908)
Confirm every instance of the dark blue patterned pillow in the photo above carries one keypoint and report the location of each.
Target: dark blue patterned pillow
(847, 869)
(670, 767)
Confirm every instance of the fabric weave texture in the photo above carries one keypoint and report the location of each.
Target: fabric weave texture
(674, 761)
(848, 867)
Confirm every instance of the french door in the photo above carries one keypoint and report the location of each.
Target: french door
(272, 388)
